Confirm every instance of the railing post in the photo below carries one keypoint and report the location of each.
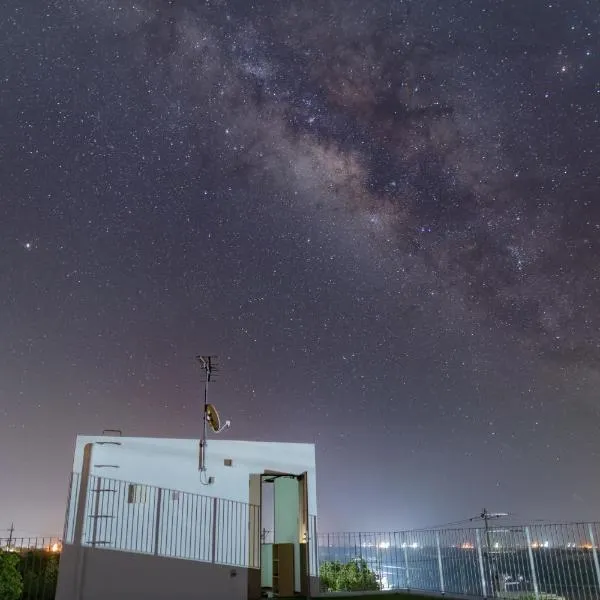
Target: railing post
(439, 557)
(481, 567)
(594, 553)
(157, 520)
(536, 589)
(215, 511)
(406, 570)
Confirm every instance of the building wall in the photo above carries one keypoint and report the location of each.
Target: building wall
(173, 463)
(173, 514)
(98, 574)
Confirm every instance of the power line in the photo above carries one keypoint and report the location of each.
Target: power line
(443, 525)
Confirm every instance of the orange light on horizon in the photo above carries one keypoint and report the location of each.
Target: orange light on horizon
(467, 546)
(56, 547)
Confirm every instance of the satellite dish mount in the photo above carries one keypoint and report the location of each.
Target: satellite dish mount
(210, 416)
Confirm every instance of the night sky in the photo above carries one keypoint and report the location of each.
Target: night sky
(383, 216)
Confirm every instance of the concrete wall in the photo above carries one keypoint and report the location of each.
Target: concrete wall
(180, 524)
(212, 527)
(173, 463)
(97, 574)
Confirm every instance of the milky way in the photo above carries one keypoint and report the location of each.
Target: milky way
(399, 124)
(383, 215)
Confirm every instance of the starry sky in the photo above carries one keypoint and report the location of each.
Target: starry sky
(383, 217)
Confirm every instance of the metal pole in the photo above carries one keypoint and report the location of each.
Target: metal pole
(84, 483)
(536, 589)
(439, 557)
(406, 564)
(488, 555)
(157, 520)
(481, 567)
(594, 553)
(10, 536)
(214, 529)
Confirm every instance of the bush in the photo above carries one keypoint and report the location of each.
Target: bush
(354, 576)
(39, 569)
(11, 582)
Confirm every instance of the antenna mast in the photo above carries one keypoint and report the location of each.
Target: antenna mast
(208, 365)
(210, 417)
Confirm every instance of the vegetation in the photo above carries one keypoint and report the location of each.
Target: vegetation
(39, 569)
(11, 582)
(389, 596)
(379, 596)
(354, 576)
(28, 575)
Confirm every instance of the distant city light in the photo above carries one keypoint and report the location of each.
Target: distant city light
(413, 545)
(540, 545)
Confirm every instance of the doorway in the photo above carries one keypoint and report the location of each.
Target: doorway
(284, 534)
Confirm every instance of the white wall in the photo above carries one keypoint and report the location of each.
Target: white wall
(173, 463)
(184, 524)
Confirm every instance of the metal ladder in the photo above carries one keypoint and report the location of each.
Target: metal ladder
(99, 492)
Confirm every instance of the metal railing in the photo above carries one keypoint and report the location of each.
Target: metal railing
(119, 515)
(29, 567)
(539, 561)
(536, 562)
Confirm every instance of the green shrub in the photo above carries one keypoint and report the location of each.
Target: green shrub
(11, 582)
(39, 570)
(354, 576)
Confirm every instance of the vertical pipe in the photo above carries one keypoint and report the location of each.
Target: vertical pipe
(157, 520)
(481, 567)
(66, 529)
(84, 483)
(536, 590)
(439, 557)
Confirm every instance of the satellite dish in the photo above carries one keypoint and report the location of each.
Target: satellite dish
(213, 419)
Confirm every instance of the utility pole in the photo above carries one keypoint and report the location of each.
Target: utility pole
(10, 535)
(486, 517)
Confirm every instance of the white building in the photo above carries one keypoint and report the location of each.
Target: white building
(144, 521)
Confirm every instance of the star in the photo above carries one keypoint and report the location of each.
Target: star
(382, 215)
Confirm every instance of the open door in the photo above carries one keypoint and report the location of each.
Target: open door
(303, 535)
(284, 568)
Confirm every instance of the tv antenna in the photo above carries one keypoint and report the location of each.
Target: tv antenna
(486, 517)
(210, 416)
